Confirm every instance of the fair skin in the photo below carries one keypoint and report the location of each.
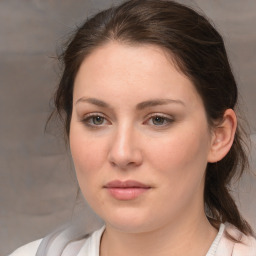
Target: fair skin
(137, 118)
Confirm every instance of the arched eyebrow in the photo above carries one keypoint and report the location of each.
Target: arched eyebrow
(94, 101)
(157, 102)
(139, 106)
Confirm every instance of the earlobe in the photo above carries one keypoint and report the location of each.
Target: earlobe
(223, 137)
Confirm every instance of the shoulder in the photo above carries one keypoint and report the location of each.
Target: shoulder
(87, 245)
(29, 249)
(247, 244)
(73, 248)
(246, 247)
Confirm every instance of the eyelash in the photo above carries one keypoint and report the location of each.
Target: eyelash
(168, 120)
(88, 119)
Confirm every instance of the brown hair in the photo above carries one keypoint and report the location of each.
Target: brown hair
(198, 51)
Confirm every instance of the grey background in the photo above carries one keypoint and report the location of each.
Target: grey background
(37, 181)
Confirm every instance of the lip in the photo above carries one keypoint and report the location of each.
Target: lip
(126, 190)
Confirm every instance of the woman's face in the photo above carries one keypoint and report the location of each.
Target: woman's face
(139, 138)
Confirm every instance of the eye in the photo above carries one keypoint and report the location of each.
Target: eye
(97, 120)
(159, 120)
(93, 120)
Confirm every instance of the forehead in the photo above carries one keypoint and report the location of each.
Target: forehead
(122, 56)
(115, 69)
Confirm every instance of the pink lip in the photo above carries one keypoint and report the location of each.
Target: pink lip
(126, 190)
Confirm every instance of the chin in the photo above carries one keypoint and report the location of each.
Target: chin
(130, 222)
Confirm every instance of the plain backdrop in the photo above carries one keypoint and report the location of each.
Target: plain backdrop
(37, 180)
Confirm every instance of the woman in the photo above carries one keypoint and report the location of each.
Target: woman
(148, 102)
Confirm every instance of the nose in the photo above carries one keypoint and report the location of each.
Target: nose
(124, 149)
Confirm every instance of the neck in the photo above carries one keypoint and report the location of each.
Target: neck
(188, 238)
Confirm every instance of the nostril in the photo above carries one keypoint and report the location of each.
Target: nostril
(123, 151)
(112, 163)
(123, 162)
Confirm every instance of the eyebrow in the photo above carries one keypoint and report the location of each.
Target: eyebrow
(94, 101)
(140, 106)
(157, 102)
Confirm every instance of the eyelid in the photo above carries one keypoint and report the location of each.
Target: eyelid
(87, 117)
(168, 118)
(93, 114)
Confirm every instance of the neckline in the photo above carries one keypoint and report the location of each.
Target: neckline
(92, 244)
(214, 245)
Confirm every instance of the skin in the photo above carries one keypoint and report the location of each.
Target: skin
(130, 142)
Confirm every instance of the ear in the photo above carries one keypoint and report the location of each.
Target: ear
(222, 137)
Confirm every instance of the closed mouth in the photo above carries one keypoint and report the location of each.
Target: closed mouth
(126, 184)
(126, 190)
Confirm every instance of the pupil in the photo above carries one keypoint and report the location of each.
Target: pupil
(158, 120)
(97, 120)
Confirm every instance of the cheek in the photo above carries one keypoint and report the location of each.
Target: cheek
(87, 153)
(179, 165)
(181, 155)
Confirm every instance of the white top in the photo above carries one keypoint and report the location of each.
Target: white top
(89, 246)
